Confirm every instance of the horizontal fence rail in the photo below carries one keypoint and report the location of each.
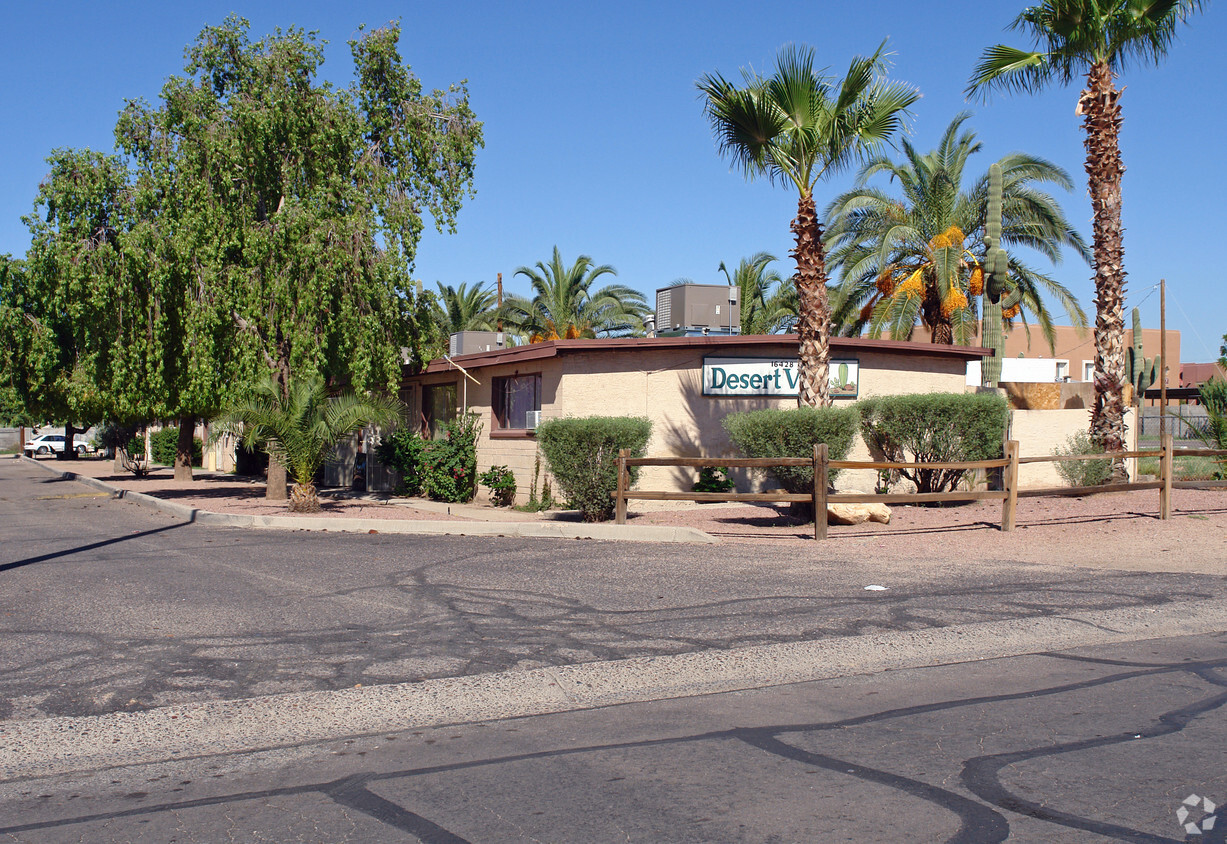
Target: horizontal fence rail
(820, 495)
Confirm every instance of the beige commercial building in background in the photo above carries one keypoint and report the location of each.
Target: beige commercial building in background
(684, 385)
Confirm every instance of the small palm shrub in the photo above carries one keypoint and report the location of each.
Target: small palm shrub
(501, 482)
(935, 428)
(449, 465)
(793, 433)
(583, 458)
(1083, 472)
(300, 426)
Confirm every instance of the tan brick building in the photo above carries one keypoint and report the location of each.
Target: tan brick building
(685, 385)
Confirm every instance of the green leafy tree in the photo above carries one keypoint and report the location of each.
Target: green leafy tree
(1095, 39)
(565, 306)
(919, 257)
(464, 309)
(796, 127)
(300, 424)
(766, 307)
(290, 211)
(63, 301)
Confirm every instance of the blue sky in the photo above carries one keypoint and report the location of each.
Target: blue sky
(596, 140)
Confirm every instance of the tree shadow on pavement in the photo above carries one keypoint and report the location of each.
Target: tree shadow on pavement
(42, 558)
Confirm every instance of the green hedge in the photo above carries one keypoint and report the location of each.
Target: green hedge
(935, 428)
(163, 444)
(793, 433)
(449, 465)
(583, 454)
(402, 450)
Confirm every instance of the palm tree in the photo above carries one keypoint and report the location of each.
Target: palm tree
(461, 309)
(764, 299)
(796, 127)
(919, 256)
(300, 427)
(565, 307)
(1095, 38)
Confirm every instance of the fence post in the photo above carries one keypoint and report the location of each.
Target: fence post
(820, 490)
(1010, 484)
(620, 500)
(1166, 470)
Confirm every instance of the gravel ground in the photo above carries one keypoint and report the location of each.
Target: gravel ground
(1117, 530)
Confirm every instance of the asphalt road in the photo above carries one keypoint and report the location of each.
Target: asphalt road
(111, 613)
(108, 606)
(1080, 746)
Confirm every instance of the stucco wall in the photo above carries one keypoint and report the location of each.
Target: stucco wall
(1041, 432)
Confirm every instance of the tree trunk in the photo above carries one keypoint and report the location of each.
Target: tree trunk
(183, 448)
(275, 489)
(813, 309)
(70, 446)
(1100, 107)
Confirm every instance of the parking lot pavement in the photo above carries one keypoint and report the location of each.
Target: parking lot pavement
(1088, 744)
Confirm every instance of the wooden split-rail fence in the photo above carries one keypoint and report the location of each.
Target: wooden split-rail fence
(820, 496)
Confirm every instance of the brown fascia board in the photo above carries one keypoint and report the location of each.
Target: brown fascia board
(553, 348)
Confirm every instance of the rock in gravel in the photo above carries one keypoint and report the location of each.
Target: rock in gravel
(855, 514)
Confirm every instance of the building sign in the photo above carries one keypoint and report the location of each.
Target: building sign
(772, 377)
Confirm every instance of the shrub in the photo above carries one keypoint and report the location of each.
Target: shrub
(793, 433)
(583, 458)
(449, 465)
(163, 444)
(1083, 472)
(402, 450)
(502, 485)
(935, 428)
(713, 479)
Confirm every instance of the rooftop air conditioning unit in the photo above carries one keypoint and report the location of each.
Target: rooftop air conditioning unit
(532, 419)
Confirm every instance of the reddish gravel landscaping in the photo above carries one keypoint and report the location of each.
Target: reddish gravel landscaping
(1117, 530)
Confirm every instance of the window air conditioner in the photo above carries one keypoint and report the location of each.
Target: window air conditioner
(532, 418)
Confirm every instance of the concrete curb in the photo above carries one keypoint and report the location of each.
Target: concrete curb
(527, 530)
(64, 745)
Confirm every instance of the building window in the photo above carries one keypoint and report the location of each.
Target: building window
(1062, 370)
(1088, 370)
(514, 397)
(438, 408)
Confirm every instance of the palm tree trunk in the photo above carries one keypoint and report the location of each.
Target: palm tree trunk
(304, 498)
(1100, 107)
(941, 330)
(813, 309)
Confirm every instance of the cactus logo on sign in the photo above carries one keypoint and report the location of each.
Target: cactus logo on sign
(771, 377)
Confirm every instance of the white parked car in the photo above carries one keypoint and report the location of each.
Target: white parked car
(52, 444)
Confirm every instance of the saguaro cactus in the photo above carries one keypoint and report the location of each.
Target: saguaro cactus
(996, 283)
(1142, 372)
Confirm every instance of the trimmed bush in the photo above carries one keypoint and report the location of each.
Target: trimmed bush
(1083, 472)
(402, 450)
(449, 465)
(583, 458)
(713, 479)
(163, 444)
(935, 428)
(793, 433)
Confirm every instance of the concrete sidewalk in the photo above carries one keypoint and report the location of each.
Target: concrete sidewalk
(479, 521)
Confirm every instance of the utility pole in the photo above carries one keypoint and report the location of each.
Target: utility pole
(1163, 358)
(499, 325)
